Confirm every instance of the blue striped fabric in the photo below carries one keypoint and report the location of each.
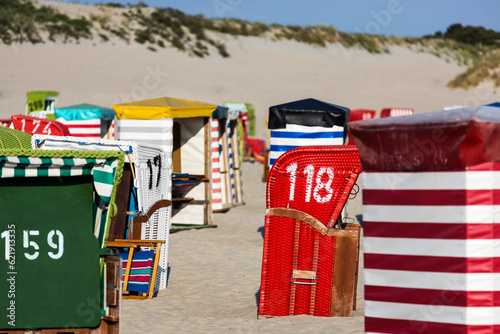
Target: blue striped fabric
(283, 140)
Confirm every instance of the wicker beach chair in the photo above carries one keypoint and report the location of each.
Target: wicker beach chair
(310, 258)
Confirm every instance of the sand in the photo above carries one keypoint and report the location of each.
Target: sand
(215, 277)
(215, 272)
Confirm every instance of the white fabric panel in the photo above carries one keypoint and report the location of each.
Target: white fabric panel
(152, 131)
(432, 180)
(478, 214)
(434, 313)
(433, 247)
(432, 280)
(192, 145)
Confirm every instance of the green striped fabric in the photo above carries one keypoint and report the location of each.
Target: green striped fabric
(106, 168)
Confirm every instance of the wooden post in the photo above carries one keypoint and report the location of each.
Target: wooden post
(343, 276)
(118, 227)
(208, 173)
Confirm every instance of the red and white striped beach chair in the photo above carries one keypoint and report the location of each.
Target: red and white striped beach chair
(431, 186)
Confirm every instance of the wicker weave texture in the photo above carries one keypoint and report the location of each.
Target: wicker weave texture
(10, 138)
(316, 180)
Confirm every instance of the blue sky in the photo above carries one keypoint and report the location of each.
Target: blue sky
(389, 17)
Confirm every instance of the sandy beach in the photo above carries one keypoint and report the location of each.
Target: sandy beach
(215, 278)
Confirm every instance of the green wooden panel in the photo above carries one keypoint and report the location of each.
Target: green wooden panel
(59, 286)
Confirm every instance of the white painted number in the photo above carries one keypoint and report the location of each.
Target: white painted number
(59, 246)
(292, 169)
(46, 129)
(55, 240)
(309, 171)
(320, 183)
(27, 244)
(36, 123)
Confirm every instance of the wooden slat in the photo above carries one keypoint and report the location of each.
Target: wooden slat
(155, 269)
(311, 221)
(343, 276)
(118, 227)
(357, 228)
(176, 149)
(208, 171)
(113, 279)
(127, 270)
(59, 330)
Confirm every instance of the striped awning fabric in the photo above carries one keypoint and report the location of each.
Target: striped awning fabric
(102, 169)
(106, 168)
(283, 140)
(83, 128)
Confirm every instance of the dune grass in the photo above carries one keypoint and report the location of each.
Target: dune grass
(22, 21)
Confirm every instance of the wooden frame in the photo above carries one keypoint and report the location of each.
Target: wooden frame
(133, 245)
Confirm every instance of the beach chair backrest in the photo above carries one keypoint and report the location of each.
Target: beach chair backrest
(35, 125)
(395, 112)
(314, 179)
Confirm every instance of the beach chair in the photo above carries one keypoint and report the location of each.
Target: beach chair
(35, 125)
(395, 112)
(310, 256)
(307, 122)
(183, 128)
(87, 120)
(61, 260)
(147, 175)
(430, 218)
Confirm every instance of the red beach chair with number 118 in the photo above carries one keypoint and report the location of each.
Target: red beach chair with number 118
(309, 262)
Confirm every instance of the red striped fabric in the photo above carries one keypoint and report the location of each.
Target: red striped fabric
(433, 263)
(216, 178)
(85, 128)
(423, 230)
(431, 197)
(432, 258)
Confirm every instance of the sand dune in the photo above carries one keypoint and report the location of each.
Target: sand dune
(261, 71)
